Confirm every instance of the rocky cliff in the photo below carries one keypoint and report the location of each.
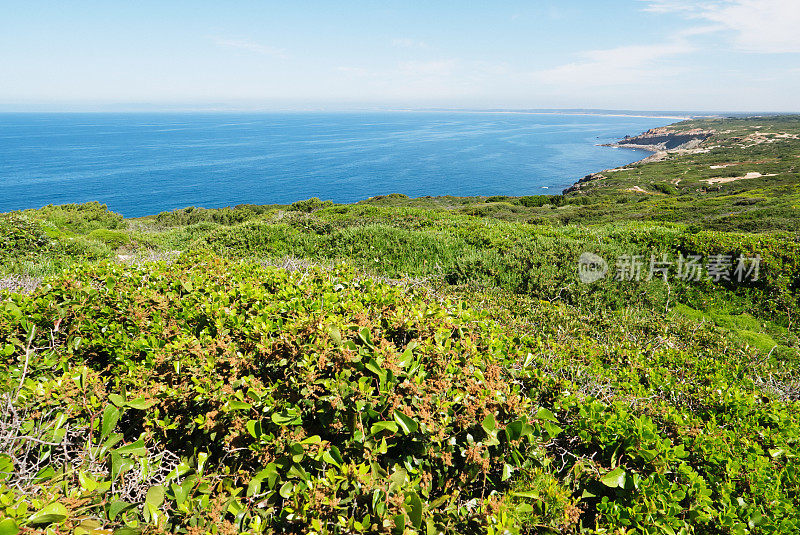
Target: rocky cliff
(661, 139)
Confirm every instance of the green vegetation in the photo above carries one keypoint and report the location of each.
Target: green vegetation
(745, 177)
(408, 365)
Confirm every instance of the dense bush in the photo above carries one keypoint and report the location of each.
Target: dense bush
(192, 215)
(663, 187)
(114, 239)
(79, 218)
(540, 200)
(310, 205)
(539, 261)
(221, 396)
(31, 245)
(20, 235)
(331, 402)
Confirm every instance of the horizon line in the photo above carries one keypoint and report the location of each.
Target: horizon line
(134, 108)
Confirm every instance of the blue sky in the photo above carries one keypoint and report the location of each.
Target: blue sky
(716, 55)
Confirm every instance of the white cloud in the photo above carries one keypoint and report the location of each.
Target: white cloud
(250, 46)
(669, 6)
(428, 78)
(763, 26)
(617, 66)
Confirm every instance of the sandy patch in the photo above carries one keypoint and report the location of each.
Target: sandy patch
(637, 189)
(726, 179)
(681, 152)
(749, 162)
(757, 138)
(19, 283)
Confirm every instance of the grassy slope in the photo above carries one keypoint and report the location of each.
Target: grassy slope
(643, 405)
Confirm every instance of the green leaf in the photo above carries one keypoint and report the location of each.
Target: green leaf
(544, 414)
(740, 528)
(287, 417)
(377, 427)
(524, 508)
(296, 471)
(239, 405)
(529, 494)
(134, 448)
(333, 456)
(87, 482)
(489, 424)
(155, 496)
(255, 484)
(286, 490)
(119, 464)
(415, 510)
(399, 524)
(117, 400)
(48, 472)
(774, 453)
(178, 471)
(507, 471)
(364, 336)
(183, 490)
(408, 355)
(552, 429)
(397, 479)
(254, 428)
(335, 335)
(54, 512)
(6, 467)
(111, 416)
(117, 507)
(614, 479)
(88, 526)
(8, 526)
(140, 404)
(407, 424)
(514, 430)
(372, 365)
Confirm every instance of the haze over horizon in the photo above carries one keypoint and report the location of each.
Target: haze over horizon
(678, 55)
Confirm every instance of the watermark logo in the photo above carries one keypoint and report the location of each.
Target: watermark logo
(717, 268)
(591, 268)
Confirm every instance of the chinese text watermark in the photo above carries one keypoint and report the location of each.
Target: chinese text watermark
(716, 267)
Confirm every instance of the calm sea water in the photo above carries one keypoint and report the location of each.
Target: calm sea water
(142, 164)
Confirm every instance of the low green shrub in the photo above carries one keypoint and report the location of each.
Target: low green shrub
(79, 218)
(663, 187)
(310, 205)
(324, 401)
(113, 238)
(20, 235)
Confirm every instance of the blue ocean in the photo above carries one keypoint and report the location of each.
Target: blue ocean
(141, 164)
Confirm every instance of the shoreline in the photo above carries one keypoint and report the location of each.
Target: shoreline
(523, 112)
(654, 151)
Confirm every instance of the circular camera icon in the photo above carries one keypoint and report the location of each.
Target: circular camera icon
(591, 268)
